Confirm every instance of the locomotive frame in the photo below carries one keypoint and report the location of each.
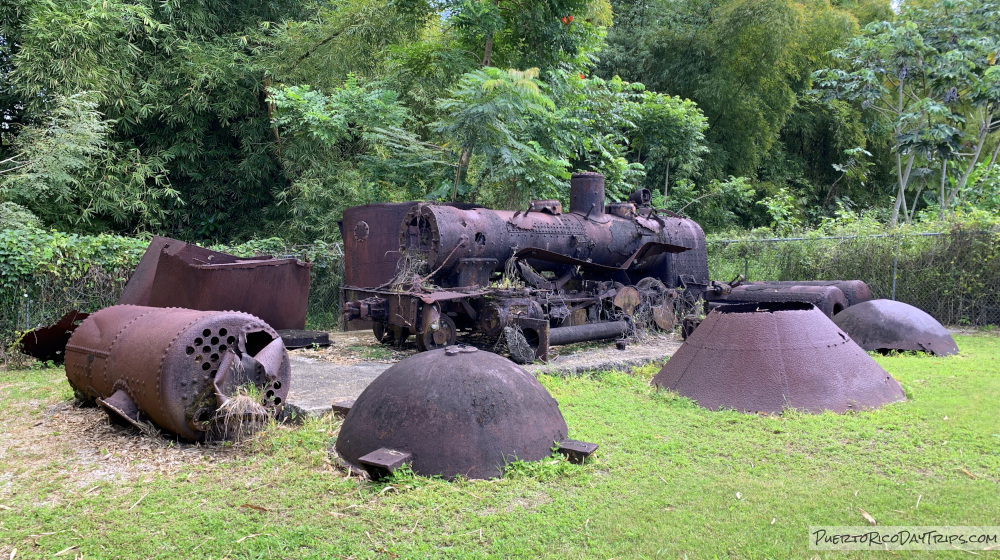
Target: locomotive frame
(554, 277)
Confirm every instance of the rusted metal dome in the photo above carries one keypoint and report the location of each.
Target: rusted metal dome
(767, 357)
(884, 324)
(455, 411)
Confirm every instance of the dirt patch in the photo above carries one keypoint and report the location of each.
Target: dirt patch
(356, 347)
(360, 347)
(83, 446)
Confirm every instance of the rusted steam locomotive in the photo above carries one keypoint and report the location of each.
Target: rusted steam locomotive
(436, 270)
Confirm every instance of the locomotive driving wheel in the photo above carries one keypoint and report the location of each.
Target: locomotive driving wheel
(661, 302)
(389, 334)
(445, 335)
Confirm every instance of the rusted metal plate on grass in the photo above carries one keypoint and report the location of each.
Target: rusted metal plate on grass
(882, 325)
(766, 357)
(176, 367)
(457, 411)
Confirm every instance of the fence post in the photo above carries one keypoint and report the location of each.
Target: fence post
(895, 263)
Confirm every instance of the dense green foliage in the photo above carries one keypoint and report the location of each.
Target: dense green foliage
(44, 274)
(932, 78)
(226, 120)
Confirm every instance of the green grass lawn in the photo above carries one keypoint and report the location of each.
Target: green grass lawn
(670, 480)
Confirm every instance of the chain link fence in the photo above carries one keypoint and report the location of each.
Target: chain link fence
(953, 276)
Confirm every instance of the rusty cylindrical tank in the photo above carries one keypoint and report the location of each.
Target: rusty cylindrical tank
(175, 367)
(454, 411)
(586, 195)
(829, 299)
(447, 236)
(766, 357)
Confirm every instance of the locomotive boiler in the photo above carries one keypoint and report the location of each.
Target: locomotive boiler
(541, 275)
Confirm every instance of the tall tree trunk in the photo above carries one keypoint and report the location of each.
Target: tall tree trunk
(904, 177)
(983, 133)
(916, 199)
(488, 54)
(900, 193)
(944, 176)
(488, 50)
(463, 161)
(666, 180)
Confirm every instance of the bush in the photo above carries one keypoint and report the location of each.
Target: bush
(950, 274)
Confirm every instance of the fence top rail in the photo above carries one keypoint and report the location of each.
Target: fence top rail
(834, 237)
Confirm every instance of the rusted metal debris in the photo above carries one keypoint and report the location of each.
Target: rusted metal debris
(48, 344)
(766, 357)
(177, 274)
(294, 338)
(883, 325)
(855, 291)
(452, 412)
(829, 299)
(537, 270)
(177, 367)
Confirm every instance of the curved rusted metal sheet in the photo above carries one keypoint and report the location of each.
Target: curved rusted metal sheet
(455, 411)
(173, 273)
(766, 357)
(883, 324)
(48, 344)
(175, 367)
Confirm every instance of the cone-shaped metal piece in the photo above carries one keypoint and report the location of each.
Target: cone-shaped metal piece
(767, 357)
(456, 411)
(884, 324)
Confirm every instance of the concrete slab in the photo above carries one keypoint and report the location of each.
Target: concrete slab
(318, 383)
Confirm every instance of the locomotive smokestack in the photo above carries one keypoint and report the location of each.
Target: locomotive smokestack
(586, 195)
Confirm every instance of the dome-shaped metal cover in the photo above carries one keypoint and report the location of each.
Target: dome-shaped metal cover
(455, 411)
(767, 357)
(884, 324)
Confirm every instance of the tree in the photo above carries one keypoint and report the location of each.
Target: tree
(931, 75)
(181, 91)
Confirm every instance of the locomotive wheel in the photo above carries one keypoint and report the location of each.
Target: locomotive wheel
(389, 334)
(380, 331)
(662, 306)
(445, 335)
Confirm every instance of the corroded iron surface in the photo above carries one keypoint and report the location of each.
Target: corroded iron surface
(177, 274)
(883, 324)
(175, 367)
(766, 357)
(371, 242)
(855, 291)
(456, 411)
(829, 299)
(471, 269)
(48, 344)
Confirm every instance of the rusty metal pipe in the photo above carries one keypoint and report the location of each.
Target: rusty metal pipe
(584, 333)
